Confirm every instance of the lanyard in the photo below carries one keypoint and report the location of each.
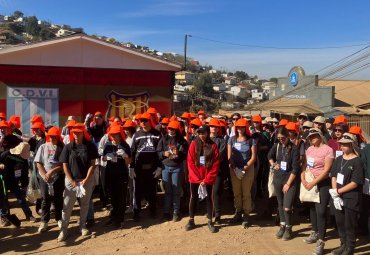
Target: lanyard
(342, 166)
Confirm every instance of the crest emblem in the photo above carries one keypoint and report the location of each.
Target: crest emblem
(126, 105)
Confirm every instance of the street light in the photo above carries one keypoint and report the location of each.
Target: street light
(185, 48)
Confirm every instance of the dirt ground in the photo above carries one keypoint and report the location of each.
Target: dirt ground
(154, 236)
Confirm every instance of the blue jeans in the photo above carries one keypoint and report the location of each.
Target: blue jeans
(172, 179)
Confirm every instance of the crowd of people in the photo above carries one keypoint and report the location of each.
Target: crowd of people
(323, 164)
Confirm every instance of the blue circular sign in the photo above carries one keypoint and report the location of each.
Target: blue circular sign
(293, 79)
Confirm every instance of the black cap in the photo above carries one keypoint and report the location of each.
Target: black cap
(203, 129)
(330, 120)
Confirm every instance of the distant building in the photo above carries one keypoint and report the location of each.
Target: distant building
(231, 80)
(212, 71)
(237, 91)
(64, 32)
(185, 77)
(220, 87)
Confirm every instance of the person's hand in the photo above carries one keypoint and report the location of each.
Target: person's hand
(202, 183)
(131, 173)
(167, 154)
(157, 172)
(48, 176)
(309, 185)
(2, 167)
(286, 187)
(246, 167)
(276, 167)
(334, 193)
(73, 183)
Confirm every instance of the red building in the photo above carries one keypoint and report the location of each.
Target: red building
(79, 74)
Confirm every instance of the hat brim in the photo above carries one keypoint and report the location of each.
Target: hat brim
(344, 140)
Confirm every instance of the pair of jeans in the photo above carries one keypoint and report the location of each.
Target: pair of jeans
(69, 200)
(20, 194)
(57, 198)
(172, 178)
(285, 200)
(347, 225)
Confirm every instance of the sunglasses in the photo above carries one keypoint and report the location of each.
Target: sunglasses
(281, 138)
(338, 130)
(193, 126)
(143, 120)
(235, 118)
(306, 127)
(347, 137)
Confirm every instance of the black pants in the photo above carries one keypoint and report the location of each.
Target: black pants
(194, 200)
(347, 224)
(145, 184)
(218, 188)
(318, 210)
(285, 200)
(116, 183)
(364, 220)
(57, 198)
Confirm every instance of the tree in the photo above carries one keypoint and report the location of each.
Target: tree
(241, 75)
(204, 84)
(32, 26)
(15, 27)
(46, 34)
(18, 14)
(274, 80)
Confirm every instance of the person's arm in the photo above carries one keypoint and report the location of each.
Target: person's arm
(229, 151)
(90, 172)
(272, 155)
(252, 159)
(68, 174)
(350, 186)
(192, 168)
(303, 169)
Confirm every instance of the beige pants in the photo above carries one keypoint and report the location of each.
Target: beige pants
(242, 190)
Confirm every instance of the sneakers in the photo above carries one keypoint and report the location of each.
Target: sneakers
(62, 236)
(43, 227)
(30, 218)
(280, 233)
(319, 249)
(218, 220)
(130, 209)
(339, 250)
(237, 218)
(211, 227)
(190, 225)
(176, 217)
(245, 221)
(287, 233)
(4, 222)
(85, 232)
(312, 238)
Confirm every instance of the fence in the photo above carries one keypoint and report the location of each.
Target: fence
(363, 122)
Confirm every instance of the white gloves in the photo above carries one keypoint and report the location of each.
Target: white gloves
(337, 200)
(110, 156)
(131, 173)
(80, 190)
(157, 172)
(239, 173)
(202, 192)
(120, 152)
(88, 117)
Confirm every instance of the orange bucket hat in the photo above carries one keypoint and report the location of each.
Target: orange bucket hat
(79, 128)
(53, 131)
(4, 123)
(214, 122)
(128, 124)
(192, 115)
(16, 120)
(116, 129)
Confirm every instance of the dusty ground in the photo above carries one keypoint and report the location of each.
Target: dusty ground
(158, 237)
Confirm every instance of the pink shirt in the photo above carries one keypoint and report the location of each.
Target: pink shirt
(316, 156)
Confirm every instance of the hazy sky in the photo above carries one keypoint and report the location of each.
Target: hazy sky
(162, 24)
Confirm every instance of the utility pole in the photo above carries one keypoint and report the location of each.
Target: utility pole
(185, 49)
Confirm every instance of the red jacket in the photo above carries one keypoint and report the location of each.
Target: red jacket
(201, 173)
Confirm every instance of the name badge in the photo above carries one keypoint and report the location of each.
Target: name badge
(366, 187)
(18, 173)
(238, 146)
(340, 178)
(283, 165)
(338, 153)
(310, 162)
(202, 160)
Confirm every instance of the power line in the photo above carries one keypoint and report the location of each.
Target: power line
(278, 48)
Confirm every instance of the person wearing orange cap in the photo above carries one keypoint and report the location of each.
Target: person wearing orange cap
(154, 113)
(137, 121)
(15, 125)
(340, 119)
(163, 125)
(36, 118)
(192, 115)
(129, 128)
(78, 158)
(202, 116)
(283, 122)
(172, 150)
(338, 131)
(293, 132)
(194, 125)
(117, 153)
(146, 165)
(203, 165)
(357, 131)
(217, 138)
(51, 177)
(68, 127)
(242, 154)
(2, 116)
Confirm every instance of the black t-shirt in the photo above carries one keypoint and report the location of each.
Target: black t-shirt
(353, 171)
(78, 157)
(169, 142)
(289, 154)
(118, 166)
(16, 169)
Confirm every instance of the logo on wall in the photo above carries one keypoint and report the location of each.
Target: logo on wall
(295, 75)
(126, 105)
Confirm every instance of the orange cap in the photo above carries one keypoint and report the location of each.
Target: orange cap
(36, 118)
(185, 115)
(16, 120)
(116, 129)
(257, 118)
(128, 124)
(283, 122)
(165, 121)
(53, 131)
(146, 115)
(98, 114)
(214, 122)
(174, 124)
(173, 118)
(71, 123)
(340, 119)
(2, 115)
(243, 123)
(78, 128)
(222, 122)
(192, 115)
(138, 116)
(152, 110)
(201, 112)
(355, 130)
(196, 122)
(38, 125)
(4, 123)
(291, 126)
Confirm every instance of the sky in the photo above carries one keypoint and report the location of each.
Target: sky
(162, 25)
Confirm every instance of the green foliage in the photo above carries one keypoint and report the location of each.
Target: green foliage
(274, 80)
(204, 84)
(16, 28)
(46, 34)
(241, 75)
(32, 26)
(18, 14)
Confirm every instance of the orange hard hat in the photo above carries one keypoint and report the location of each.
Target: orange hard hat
(128, 124)
(152, 110)
(36, 118)
(196, 122)
(174, 125)
(165, 121)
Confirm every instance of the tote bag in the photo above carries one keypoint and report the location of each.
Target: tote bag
(270, 184)
(309, 195)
